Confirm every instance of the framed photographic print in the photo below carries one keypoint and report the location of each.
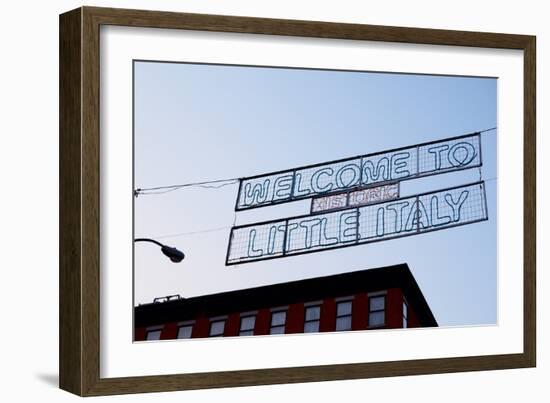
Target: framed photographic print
(249, 201)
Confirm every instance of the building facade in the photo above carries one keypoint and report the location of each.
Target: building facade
(383, 298)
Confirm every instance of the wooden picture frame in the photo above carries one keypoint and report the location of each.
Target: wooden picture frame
(79, 278)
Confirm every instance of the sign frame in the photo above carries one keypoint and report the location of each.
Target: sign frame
(357, 242)
(417, 146)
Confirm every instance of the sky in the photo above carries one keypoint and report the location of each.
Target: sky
(196, 123)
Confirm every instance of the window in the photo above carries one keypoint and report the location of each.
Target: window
(278, 320)
(376, 310)
(216, 328)
(405, 315)
(185, 331)
(247, 325)
(153, 334)
(343, 315)
(312, 319)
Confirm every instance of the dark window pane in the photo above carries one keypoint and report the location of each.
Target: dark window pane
(313, 312)
(376, 303)
(184, 332)
(343, 308)
(278, 318)
(153, 335)
(311, 327)
(216, 328)
(277, 330)
(247, 323)
(376, 318)
(343, 323)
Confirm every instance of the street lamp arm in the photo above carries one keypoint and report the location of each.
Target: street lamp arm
(172, 253)
(148, 240)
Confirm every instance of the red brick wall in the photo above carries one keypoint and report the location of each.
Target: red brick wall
(394, 308)
(232, 325)
(201, 328)
(328, 315)
(360, 312)
(413, 319)
(295, 318)
(263, 322)
(170, 331)
(139, 334)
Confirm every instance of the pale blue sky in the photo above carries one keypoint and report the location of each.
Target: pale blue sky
(197, 123)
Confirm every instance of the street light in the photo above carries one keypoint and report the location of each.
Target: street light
(173, 254)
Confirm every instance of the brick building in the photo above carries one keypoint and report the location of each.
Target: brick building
(383, 298)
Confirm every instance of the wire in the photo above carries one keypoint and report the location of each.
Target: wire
(166, 189)
(192, 232)
(487, 130)
(158, 190)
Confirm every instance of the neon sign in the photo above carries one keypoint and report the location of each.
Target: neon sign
(399, 164)
(354, 198)
(407, 216)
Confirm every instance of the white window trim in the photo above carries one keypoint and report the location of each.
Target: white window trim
(153, 328)
(158, 328)
(248, 313)
(350, 315)
(318, 321)
(405, 314)
(377, 293)
(374, 295)
(218, 318)
(313, 303)
(344, 299)
(223, 319)
(186, 324)
(279, 308)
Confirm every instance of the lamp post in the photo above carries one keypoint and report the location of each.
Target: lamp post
(173, 254)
